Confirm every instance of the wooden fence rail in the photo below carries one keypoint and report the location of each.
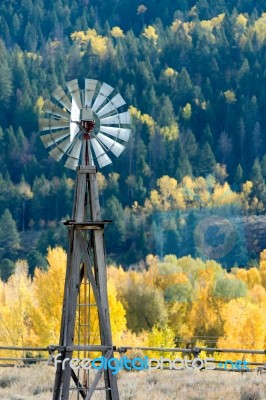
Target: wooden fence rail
(123, 349)
(195, 351)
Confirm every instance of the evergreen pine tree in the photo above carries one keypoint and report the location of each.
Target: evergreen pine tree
(30, 38)
(239, 177)
(263, 166)
(207, 136)
(205, 160)
(184, 86)
(5, 76)
(7, 267)
(259, 188)
(9, 236)
(115, 234)
(183, 165)
(166, 114)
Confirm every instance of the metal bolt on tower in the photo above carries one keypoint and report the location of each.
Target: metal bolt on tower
(83, 126)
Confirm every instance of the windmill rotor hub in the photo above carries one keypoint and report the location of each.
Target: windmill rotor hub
(88, 126)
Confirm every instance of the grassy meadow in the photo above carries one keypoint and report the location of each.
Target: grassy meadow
(36, 382)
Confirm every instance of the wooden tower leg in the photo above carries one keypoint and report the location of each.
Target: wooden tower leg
(80, 266)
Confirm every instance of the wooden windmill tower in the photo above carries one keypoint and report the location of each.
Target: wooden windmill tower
(83, 127)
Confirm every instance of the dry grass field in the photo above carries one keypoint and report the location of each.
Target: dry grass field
(35, 383)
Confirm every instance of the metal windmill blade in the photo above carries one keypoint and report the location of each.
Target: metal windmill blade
(76, 124)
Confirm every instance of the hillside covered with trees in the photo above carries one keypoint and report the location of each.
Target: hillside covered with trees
(193, 74)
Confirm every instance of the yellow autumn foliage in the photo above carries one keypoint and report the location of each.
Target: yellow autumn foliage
(263, 268)
(244, 327)
(168, 197)
(247, 187)
(259, 28)
(186, 111)
(207, 25)
(30, 309)
(98, 42)
(258, 294)
(251, 277)
(16, 311)
(203, 316)
(170, 132)
(161, 337)
(230, 96)
(150, 33)
(176, 24)
(191, 192)
(145, 119)
(212, 23)
(166, 280)
(117, 313)
(102, 182)
(242, 20)
(48, 288)
(33, 56)
(117, 32)
(224, 195)
(39, 105)
(170, 72)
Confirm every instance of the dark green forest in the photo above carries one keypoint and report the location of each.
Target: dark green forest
(194, 76)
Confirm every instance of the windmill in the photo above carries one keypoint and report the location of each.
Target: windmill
(84, 128)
